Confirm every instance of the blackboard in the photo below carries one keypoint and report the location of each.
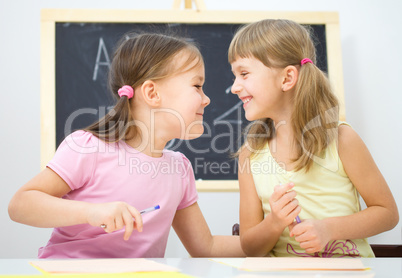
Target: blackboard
(83, 51)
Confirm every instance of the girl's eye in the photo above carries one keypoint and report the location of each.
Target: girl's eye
(243, 74)
(198, 86)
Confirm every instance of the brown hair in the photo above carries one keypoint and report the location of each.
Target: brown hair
(278, 44)
(139, 57)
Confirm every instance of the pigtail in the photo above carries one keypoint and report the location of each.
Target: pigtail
(315, 115)
(114, 126)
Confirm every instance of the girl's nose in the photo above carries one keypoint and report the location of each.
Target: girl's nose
(235, 88)
(206, 100)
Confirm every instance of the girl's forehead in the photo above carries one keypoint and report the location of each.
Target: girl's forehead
(187, 61)
(244, 61)
(195, 72)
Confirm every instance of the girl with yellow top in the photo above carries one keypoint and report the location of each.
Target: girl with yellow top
(298, 160)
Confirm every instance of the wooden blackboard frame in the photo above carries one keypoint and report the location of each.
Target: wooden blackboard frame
(49, 18)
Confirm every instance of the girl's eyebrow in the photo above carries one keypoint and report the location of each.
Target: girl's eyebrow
(198, 78)
(238, 67)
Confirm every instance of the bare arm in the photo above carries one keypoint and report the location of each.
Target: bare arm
(258, 234)
(38, 203)
(194, 233)
(381, 213)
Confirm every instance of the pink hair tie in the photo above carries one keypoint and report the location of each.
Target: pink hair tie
(126, 91)
(306, 60)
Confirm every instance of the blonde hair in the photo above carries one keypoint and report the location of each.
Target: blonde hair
(278, 44)
(140, 57)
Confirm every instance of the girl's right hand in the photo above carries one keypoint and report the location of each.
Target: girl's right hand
(115, 216)
(284, 205)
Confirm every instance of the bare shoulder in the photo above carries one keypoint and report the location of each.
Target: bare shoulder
(346, 132)
(348, 139)
(354, 154)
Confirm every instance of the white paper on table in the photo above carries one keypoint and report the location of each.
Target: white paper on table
(233, 262)
(329, 275)
(101, 266)
(286, 263)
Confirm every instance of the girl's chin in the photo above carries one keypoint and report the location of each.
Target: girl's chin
(195, 131)
(249, 117)
(194, 135)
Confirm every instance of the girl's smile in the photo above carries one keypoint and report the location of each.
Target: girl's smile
(258, 87)
(183, 95)
(245, 101)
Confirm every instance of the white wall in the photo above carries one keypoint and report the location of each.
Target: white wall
(371, 44)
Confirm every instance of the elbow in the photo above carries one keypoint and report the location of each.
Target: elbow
(391, 218)
(253, 253)
(246, 247)
(395, 218)
(15, 208)
(250, 250)
(12, 210)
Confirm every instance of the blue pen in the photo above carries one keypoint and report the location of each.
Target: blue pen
(150, 209)
(103, 226)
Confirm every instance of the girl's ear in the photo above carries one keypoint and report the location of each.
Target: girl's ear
(150, 94)
(290, 76)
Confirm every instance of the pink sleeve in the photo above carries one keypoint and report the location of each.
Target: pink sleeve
(74, 159)
(190, 195)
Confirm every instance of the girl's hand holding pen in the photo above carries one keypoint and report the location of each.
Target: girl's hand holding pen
(312, 234)
(115, 216)
(284, 205)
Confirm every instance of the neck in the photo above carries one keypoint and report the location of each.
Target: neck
(155, 128)
(149, 139)
(283, 129)
(151, 144)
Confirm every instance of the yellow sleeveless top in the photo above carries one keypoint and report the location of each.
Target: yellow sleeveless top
(324, 191)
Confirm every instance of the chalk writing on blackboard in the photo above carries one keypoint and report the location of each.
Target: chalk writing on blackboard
(101, 50)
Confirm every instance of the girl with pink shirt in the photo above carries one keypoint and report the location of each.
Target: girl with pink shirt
(91, 192)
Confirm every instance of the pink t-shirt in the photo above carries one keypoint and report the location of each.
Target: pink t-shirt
(99, 172)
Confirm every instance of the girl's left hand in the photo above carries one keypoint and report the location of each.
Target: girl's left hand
(312, 234)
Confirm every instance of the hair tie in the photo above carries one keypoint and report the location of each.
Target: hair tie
(126, 91)
(306, 60)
